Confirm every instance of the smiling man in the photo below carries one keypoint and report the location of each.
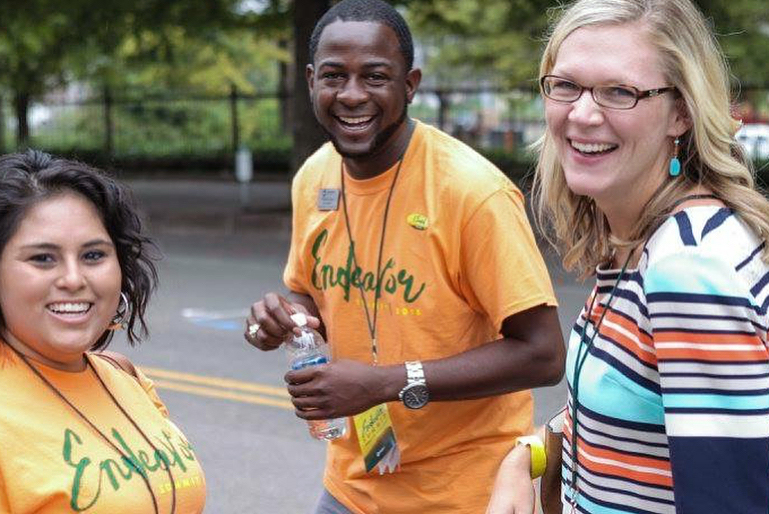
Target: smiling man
(414, 256)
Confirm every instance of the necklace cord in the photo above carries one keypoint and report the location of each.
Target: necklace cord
(144, 436)
(96, 429)
(586, 345)
(372, 323)
(580, 362)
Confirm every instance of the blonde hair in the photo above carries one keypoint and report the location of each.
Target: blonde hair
(710, 156)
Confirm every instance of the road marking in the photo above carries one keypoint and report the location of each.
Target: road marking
(228, 395)
(216, 381)
(232, 319)
(212, 314)
(216, 387)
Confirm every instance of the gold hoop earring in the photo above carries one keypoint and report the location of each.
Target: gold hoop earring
(121, 314)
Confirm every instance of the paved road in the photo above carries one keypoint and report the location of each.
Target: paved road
(223, 245)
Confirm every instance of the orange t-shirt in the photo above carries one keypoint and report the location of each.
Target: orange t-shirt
(52, 461)
(459, 257)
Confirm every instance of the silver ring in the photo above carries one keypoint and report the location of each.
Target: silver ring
(253, 329)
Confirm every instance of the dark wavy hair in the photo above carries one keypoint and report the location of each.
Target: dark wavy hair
(376, 11)
(28, 178)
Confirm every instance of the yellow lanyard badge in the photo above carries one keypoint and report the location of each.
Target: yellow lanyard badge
(377, 439)
(374, 426)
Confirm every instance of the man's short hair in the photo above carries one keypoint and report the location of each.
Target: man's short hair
(376, 11)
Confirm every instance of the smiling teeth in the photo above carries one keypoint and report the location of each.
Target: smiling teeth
(592, 147)
(356, 121)
(69, 307)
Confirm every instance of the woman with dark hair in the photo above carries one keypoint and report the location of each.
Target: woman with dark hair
(80, 430)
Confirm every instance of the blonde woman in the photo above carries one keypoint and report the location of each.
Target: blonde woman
(642, 184)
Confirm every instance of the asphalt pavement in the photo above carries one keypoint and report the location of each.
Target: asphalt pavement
(223, 245)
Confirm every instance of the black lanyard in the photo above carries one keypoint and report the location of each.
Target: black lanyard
(586, 344)
(579, 362)
(371, 320)
(131, 462)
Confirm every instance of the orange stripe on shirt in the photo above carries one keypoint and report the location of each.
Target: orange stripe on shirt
(627, 342)
(627, 459)
(711, 356)
(674, 336)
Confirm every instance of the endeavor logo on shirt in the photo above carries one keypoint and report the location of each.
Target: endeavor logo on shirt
(89, 471)
(327, 276)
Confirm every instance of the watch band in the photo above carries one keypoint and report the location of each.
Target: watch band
(415, 372)
(414, 394)
(538, 455)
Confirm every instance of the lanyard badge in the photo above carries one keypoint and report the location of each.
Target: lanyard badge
(376, 436)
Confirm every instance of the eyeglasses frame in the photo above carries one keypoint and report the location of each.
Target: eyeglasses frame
(639, 94)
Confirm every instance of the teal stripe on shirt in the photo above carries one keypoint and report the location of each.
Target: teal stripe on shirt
(716, 401)
(604, 389)
(683, 275)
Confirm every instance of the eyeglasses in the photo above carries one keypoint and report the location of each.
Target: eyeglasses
(612, 96)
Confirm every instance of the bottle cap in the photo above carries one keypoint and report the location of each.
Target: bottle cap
(299, 318)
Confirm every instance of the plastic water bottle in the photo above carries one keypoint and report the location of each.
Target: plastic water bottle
(309, 349)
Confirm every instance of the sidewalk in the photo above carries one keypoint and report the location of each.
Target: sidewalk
(230, 207)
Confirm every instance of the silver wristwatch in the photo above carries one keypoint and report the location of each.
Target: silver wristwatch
(415, 395)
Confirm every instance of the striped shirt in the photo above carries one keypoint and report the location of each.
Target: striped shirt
(674, 394)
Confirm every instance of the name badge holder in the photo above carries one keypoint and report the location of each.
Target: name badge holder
(376, 436)
(328, 199)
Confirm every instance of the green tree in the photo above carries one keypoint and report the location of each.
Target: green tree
(43, 42)
(503, 39)
(742, 27)
(467, 40)
(261, 51)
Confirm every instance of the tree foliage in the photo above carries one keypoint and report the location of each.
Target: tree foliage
(495, 39)
(503, 39)
(237, 57)
(207, 45)
(742, 27)
(45, 42)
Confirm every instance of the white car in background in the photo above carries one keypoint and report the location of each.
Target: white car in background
(754, 138)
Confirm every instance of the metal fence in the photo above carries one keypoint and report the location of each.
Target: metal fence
(142, 124)
(130, 124)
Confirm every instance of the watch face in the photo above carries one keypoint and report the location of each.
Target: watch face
(415, 396)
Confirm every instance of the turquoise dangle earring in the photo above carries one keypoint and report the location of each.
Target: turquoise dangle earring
(675, 164)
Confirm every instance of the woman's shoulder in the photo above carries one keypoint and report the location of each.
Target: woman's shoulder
(712, 242)
(121, 369)
(709, 231)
